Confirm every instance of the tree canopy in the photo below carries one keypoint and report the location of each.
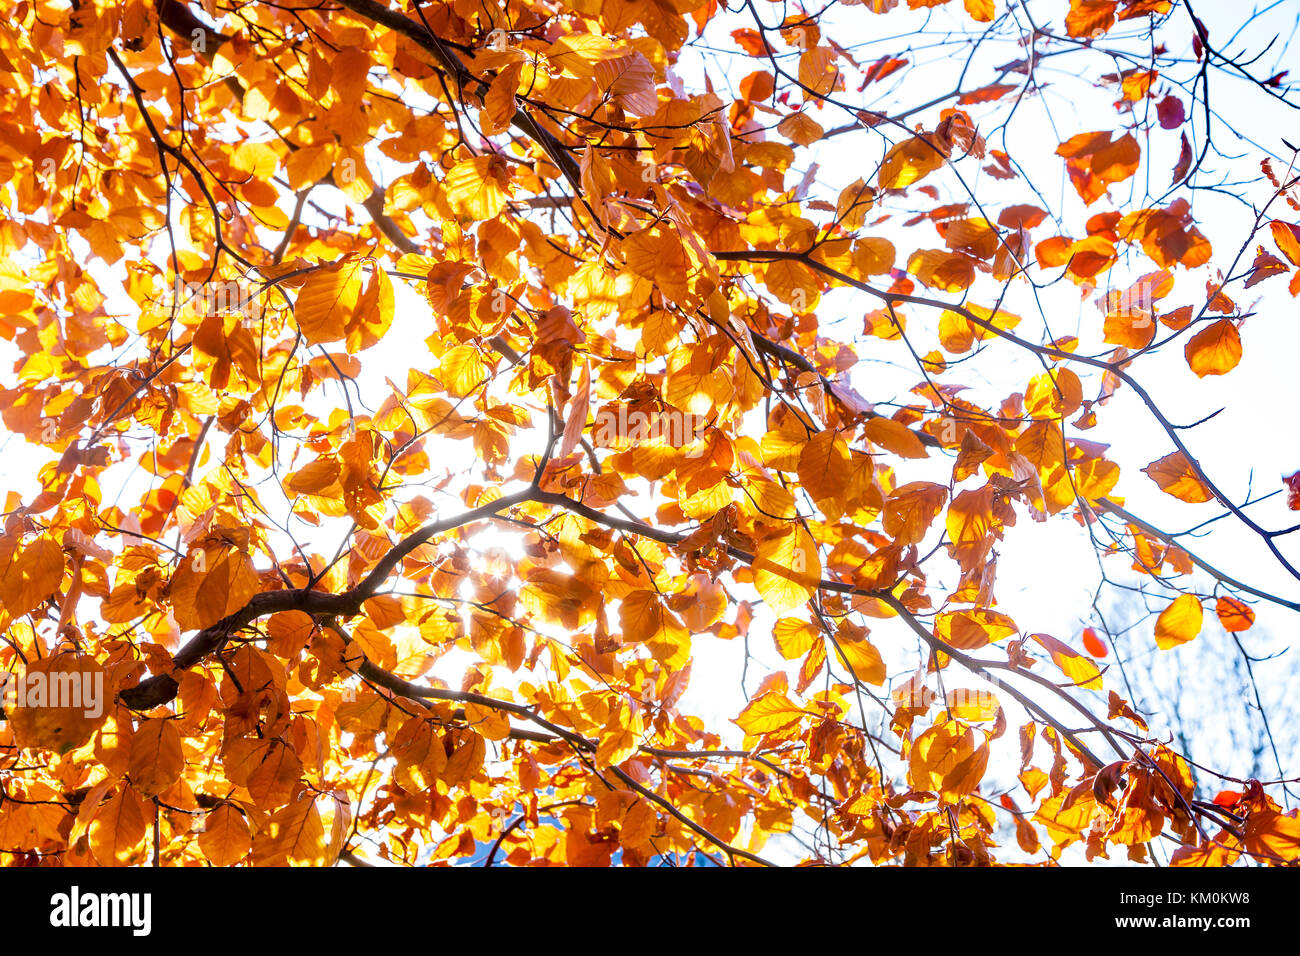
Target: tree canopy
(585, 432)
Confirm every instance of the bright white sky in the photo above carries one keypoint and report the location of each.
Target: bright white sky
(1047, 573)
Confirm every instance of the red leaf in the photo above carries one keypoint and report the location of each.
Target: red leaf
(881, 69)
(1293, 491)
(1170, 112)
(1092, 643)
(1184, 162)
(1265, 265)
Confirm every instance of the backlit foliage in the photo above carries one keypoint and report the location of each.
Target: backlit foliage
(320, 313)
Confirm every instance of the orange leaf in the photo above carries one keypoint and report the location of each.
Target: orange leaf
(1234, 615)
(1215, 350)
(1175, 476)
(225, 839)
(1287, 237)
(967, 630)
(156, 756)
(33, 574)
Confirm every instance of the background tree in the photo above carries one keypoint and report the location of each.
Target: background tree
(449, 434)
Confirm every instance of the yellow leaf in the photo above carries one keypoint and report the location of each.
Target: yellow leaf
(949, 759)
(373, 313)
(309, 165)
(862, 658)
(1180, 622)
(462, 370)
(33, 574)
(965, 703)
(971, 526)
(644, 618)
(908, 162)
(493, 724)
(825, 470)
(327, 301)
(1080, 669)
(617, 744)
(477, 188)
(768, 713)
(794, 638)
(787, 568)
(873, 256)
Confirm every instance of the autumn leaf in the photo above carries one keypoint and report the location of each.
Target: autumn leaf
(786, 568)
(156, 757)
(1179, 623)
(225, 838)
(416, 420)
(769, 713)
(1287, 237)
(477, 188)
(62, 705)
(1215, 350)
(1175, 476)
(909, 162)
(949, 758)
(1292, 483)
(327, 303)
(1234, 615)
(1080, 670)
(967, 630)
(32, 574)
(1093, 644)
(207, 588)
(119, 828)
(911, 509)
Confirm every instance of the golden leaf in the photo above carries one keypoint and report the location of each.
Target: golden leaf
(769, 713)
(787, 568)
(1180, 622)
